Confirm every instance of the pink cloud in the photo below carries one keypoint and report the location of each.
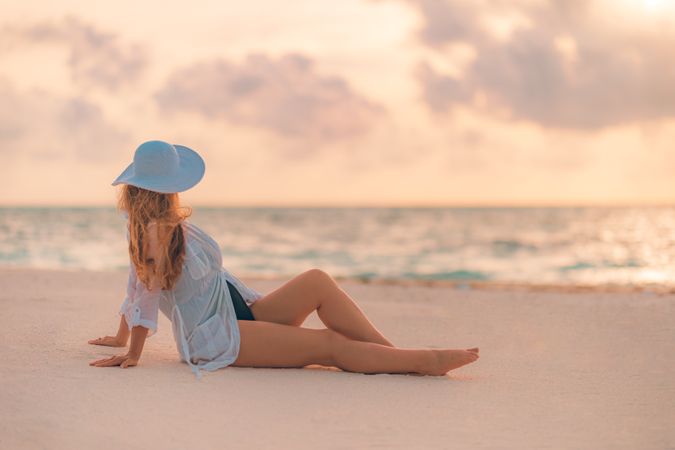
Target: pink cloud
(617, 76)
(285, 95)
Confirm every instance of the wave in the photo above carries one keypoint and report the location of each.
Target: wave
(461, 274)
(570, 245)
(605, 264)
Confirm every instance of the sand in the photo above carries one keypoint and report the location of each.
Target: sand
(558, 370)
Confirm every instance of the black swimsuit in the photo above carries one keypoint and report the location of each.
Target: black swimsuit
(241, 309)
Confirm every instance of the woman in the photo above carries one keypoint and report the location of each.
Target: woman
(218, 321)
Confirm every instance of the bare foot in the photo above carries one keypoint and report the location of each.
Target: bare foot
(473, 349)
(447, 360)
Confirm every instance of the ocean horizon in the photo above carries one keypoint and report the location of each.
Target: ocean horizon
(619, 245)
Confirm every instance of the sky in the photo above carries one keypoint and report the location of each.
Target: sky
(349, 103)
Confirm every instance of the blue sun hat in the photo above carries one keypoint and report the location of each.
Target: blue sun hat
(162, 167)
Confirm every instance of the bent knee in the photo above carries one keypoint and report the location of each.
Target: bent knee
(317, 274)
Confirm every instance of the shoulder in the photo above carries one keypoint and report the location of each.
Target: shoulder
(198, 240)
(159, 231)
(199, 234)
(155, 228)
(152, 233)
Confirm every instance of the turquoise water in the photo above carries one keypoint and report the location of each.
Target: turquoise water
(537, 245)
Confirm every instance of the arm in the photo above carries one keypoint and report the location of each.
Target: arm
(123, 332)
(144, 302)
(138, 335)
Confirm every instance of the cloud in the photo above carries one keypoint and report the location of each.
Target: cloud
(564, 68)
(445, 22)
(284, 95)
(440, 91)
(42, 126)
(95, 58)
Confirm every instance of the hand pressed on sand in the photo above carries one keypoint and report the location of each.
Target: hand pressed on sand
(108, 341)
(123, 361)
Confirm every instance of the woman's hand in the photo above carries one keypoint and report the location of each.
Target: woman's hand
(123, 361)
(138, 336)
(109, 341)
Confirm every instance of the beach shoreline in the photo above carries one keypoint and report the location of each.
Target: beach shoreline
(487, 285)
(659, 289)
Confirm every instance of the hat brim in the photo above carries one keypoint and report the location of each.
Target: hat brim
(190, 171)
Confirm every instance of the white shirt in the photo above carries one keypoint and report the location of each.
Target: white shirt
(205, 330)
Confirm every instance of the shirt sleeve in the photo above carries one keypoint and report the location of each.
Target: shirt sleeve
(141, 305)
(131, 288)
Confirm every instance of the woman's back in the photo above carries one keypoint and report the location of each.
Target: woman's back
(199, 305)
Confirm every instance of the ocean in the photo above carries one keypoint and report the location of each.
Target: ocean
(569, 246)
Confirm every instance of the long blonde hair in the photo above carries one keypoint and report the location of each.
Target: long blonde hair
(143, 207)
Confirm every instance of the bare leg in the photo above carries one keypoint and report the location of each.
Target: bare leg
(312, 290)
(267, 344)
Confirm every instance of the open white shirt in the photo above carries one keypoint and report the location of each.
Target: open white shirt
(199, 306)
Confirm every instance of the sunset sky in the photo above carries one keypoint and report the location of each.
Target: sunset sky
(372, 102)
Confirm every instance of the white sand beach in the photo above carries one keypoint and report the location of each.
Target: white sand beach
(558, 370)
